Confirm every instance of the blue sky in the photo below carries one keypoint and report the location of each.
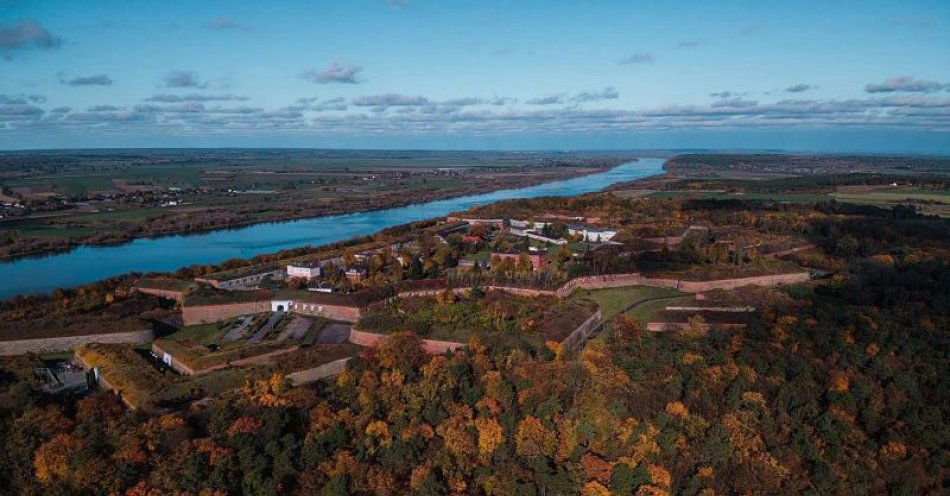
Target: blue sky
(824, 76)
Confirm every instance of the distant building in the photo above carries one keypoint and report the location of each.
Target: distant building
(356, 274)
(538, 259)
(242, 279)
(591, 233)
(306, 270)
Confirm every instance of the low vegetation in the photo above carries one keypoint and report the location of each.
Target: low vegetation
(459, 317)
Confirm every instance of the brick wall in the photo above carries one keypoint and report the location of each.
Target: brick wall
(64, 343)
(309, 376)
(598, 282)
(162, 293)
(675, 326)
(431, 346)
(332, 312)
(183, 369)
(206, 314)
(620, 280)
(579, 335)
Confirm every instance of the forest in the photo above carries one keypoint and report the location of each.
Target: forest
(837, 386)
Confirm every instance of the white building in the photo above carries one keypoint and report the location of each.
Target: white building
(591, 233)
(307, 270)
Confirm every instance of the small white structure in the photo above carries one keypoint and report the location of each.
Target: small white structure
(522, 227)
(280, 305)
(307, 270)
(591, 233)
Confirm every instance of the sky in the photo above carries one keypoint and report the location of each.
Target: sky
(843, 76)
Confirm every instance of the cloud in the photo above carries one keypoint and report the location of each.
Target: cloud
(334, 73)
(96, 80)
(166, 98)
(226, 23)
(21, 100)
(314, 104)
(735, 103)
(688, 44)
(798, 88)
(103, 108)
(395, 114)
(382, 102)
(726, 94)
(637, 58)
(501, 100)
(906, 83)
(546, 100)
(608, 93)
(184, 79)
(25, 35)
(20, 110)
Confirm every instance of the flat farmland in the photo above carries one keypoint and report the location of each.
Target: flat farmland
(56, 200)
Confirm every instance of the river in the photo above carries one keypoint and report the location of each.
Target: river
(87, 264)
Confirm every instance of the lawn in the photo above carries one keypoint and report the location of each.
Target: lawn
(203, 333)
(66, 184)
(118, 215)
(721, 195)
(613, 300)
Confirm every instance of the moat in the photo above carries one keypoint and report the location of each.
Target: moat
(91, 263)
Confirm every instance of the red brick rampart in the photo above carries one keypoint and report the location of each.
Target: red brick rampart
(620, 280)
(431, 346)
(162, 293)
(206, 314)
(332, 312)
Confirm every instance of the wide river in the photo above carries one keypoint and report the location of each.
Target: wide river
(168, 253)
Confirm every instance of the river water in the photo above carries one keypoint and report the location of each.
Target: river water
(168, 253)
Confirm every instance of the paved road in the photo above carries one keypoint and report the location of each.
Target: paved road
(334, 333)
(296, 329)
(237, 330)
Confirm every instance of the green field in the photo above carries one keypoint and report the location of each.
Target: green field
(203, 333)
(66, 184)
(613, 300)
(721, 195)
(118, 215)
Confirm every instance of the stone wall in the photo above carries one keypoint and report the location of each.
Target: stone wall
(598, 282)
(184, 369)
(620, 280)
(103, 383)
(206, 314)
(676, 326)
(65, 343)
(772, 280)
(579, 335)
(162, 293)
(332, 312)
(309, 376)
(431, 346)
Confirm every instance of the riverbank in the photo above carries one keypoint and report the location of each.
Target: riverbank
(87, 264)
(222, 219)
